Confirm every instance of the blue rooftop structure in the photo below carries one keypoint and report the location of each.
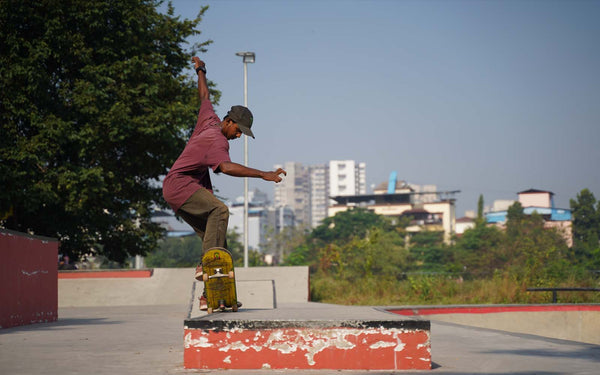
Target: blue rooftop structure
(532, 198)
(552, 214)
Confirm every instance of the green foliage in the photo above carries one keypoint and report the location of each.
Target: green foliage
(187, 252)
(95, 105)
(176, 252)
(351, 245)
(347, 224)
(428, 253)
(480, 206)
(586, 229)
(476, 252)
(503, 288)
(280, 244)
(485, 265)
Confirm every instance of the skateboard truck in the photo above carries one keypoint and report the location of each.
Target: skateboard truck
(218, 273)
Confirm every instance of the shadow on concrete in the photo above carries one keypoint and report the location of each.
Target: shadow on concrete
(589, 353)
(65, 323)
(495, 373)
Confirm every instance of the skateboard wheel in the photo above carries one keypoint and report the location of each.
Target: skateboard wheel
(231, 275)
(234, 308)
(205, 277)
(210, 310)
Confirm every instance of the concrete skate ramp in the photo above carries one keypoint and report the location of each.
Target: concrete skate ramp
(174, 286)
(575, 322)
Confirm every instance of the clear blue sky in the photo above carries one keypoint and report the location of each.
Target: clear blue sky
(486, 97)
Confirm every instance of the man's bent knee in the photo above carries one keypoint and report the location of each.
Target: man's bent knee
(222, 212)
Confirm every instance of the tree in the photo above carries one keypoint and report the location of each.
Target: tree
(176, 252)
(428, 251)
(349, 241)
(95, 105)
(345, 225)
(531, 252)
(476, 252)
(586, 229)
(514, 220)
(480, 219)
(281, 244)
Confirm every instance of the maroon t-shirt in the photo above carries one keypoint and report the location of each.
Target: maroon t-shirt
(207, 148)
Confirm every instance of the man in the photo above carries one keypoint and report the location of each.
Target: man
(187, 187)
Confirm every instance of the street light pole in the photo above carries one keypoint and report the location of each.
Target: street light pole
(247, 57)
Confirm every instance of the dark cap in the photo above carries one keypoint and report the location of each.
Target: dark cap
(243, 117)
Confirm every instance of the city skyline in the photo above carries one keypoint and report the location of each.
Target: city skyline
(484, 97)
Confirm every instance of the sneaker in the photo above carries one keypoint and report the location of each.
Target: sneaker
(198, 275)
(203, 303)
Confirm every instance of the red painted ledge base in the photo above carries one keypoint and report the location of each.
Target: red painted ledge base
(341, 348)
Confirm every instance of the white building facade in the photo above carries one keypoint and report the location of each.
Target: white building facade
(306, 189)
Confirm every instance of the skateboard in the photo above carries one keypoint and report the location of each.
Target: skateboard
(219, 280)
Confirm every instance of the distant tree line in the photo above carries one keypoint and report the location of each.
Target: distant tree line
(358, 243)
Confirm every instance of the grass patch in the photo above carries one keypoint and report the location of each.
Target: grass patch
(439, 290)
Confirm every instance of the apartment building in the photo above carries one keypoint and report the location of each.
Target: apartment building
(347, 177)
(294, 191)
(306, 189)
(319, 193)
(428, 208)
(264, 219)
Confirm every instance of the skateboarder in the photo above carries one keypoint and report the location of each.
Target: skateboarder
(187, 187)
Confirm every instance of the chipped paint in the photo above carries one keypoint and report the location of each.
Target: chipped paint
(33, 273)
(201, 342)
(400, 346)
(316, 348)
(381, 344)
(234, 346)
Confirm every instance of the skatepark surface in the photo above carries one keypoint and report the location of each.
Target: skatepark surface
(149, 340)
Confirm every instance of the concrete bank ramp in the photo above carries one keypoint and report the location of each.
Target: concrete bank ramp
(575, 322)
(258, 287)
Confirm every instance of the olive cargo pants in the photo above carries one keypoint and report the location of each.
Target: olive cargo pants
(208, 216)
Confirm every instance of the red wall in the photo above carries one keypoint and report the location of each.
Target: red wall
(28, 279)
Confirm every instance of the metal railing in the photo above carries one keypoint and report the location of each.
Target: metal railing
(555, 290)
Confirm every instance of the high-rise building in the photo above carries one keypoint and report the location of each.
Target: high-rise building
(319, 193)
(307, 189)
(347, 177)
(294, 192)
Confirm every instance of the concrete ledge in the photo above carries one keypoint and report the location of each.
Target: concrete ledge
(307, 336)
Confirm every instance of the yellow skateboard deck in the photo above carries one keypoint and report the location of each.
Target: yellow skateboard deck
(219, 280)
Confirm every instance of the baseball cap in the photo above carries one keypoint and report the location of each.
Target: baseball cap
(243, 117)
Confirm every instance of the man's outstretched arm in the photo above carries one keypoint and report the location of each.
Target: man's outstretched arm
(203, 92)
(238, 170)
